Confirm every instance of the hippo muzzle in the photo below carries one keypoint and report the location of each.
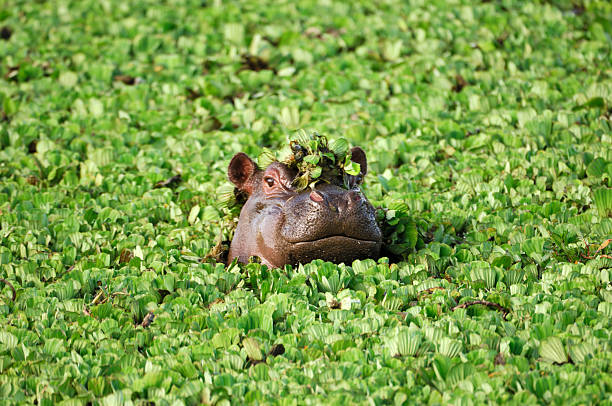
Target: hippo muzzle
(282, 226)
(330, 223)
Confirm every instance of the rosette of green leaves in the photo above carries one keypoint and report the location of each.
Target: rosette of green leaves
(316, 159)
(398, 227)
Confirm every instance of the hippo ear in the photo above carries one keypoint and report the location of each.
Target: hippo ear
(359, 156)
(240, 172)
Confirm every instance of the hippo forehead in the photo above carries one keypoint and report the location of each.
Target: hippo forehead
(281, 171)
(282, 177)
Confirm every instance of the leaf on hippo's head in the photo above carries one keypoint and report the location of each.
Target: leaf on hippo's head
(352, 168)
(301, 138)
(318, 160)
(312, 159)
(266, 158)
(339, 146)
(301, 181)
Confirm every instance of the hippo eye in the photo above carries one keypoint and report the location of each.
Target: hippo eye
(269, 181)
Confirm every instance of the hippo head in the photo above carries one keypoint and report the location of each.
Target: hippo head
(283, 226)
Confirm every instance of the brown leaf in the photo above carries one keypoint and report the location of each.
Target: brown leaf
(170, 182)
(126, 256)
(32, 180)
(604, 244)
(255, 63)
(126, 79)
(214, 302)
(333, 304)
(148, 319)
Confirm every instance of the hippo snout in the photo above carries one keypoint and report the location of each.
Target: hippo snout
(329, 211)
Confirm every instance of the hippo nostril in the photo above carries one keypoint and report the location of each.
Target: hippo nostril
(316, 196)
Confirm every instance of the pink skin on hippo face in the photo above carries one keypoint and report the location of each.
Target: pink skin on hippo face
(282, 226)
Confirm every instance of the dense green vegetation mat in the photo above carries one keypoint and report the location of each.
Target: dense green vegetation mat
(488, 122)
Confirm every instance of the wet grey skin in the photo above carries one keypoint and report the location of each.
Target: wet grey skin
(282, 226)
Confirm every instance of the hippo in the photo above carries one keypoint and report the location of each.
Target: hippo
(282, 226)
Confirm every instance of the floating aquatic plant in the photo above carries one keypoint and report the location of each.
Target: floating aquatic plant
(315, 159)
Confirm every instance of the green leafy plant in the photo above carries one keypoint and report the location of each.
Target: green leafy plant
(318, 160)
(487, 131)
